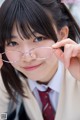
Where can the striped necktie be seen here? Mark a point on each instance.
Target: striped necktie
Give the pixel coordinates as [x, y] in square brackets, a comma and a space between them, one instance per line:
[47, 110]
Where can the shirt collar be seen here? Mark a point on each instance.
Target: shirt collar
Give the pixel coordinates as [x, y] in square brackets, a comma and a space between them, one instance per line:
[54, 84]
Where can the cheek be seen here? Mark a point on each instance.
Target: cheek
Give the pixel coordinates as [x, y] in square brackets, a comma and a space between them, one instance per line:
[47, 64]
[51, 62]
[52, 57]
[13, 56]
[9, 57]
[47, 67]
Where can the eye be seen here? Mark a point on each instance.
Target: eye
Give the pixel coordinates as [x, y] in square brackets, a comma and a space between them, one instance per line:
[38, 39]
[12, 43]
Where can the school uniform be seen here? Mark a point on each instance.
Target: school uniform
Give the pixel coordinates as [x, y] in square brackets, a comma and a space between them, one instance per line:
[54, 85]
[66, 103]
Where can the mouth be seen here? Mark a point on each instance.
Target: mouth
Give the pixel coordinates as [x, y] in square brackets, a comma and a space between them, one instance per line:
[30, 68]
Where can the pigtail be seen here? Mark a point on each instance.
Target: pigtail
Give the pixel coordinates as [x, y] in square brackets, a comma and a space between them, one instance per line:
[75, 25]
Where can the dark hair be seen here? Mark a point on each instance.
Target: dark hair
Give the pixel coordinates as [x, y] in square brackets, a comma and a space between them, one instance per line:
[38, 15]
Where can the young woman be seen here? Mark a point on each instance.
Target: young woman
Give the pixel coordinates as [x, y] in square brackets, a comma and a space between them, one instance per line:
[39, 50]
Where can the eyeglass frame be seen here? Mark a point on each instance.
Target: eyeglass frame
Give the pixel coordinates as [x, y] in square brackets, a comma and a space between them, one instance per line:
[27, 52]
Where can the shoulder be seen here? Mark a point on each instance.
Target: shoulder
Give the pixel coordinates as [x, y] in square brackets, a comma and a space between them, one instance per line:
[71, 81]
[70, 76]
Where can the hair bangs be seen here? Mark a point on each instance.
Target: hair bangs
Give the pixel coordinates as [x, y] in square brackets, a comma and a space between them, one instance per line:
[31, 18]
[28, 17]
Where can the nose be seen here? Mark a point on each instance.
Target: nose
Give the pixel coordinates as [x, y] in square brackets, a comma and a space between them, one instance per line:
[28, 57]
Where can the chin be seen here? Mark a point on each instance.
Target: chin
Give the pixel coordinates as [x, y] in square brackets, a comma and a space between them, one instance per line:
[34, 78]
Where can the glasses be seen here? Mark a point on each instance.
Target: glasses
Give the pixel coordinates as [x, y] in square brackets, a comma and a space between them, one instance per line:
[39, 53]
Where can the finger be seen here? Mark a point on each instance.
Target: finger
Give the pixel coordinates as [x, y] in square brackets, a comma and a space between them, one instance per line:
[59, 54]
[67, 54]
[63, 43]
[76, 50]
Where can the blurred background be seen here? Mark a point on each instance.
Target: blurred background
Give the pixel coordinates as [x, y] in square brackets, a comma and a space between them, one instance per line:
[74, 7]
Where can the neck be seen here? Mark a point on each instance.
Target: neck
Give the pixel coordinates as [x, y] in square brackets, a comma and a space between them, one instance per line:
[49, 77]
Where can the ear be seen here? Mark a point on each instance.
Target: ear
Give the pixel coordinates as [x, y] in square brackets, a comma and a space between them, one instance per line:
[63, 33]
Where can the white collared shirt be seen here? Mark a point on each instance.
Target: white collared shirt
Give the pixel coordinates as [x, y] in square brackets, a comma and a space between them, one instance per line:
[54, 84]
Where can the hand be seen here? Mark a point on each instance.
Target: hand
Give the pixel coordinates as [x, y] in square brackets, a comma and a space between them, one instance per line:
[70, 57]
[1, 62]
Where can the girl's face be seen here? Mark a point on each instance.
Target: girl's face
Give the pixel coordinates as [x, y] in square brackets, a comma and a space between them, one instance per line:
[37, 70]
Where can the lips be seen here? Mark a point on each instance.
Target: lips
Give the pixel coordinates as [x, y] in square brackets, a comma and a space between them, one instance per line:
[32, 67]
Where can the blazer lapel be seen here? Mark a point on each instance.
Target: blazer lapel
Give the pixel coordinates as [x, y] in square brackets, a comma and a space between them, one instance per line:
[69, 99]
[31, 105]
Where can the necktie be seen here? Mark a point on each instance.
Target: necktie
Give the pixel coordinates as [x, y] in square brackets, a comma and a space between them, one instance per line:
[47, 110]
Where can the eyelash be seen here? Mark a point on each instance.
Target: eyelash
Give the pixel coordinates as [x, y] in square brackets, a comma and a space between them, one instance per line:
[12, 43]
[39, 39]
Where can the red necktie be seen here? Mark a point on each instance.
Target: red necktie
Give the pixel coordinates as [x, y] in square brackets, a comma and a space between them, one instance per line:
[47, 110]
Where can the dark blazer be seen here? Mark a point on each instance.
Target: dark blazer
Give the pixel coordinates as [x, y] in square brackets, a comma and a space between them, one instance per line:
[21, 116]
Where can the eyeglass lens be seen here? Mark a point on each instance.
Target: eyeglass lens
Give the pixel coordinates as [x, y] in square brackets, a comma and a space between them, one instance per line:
[15, 56]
